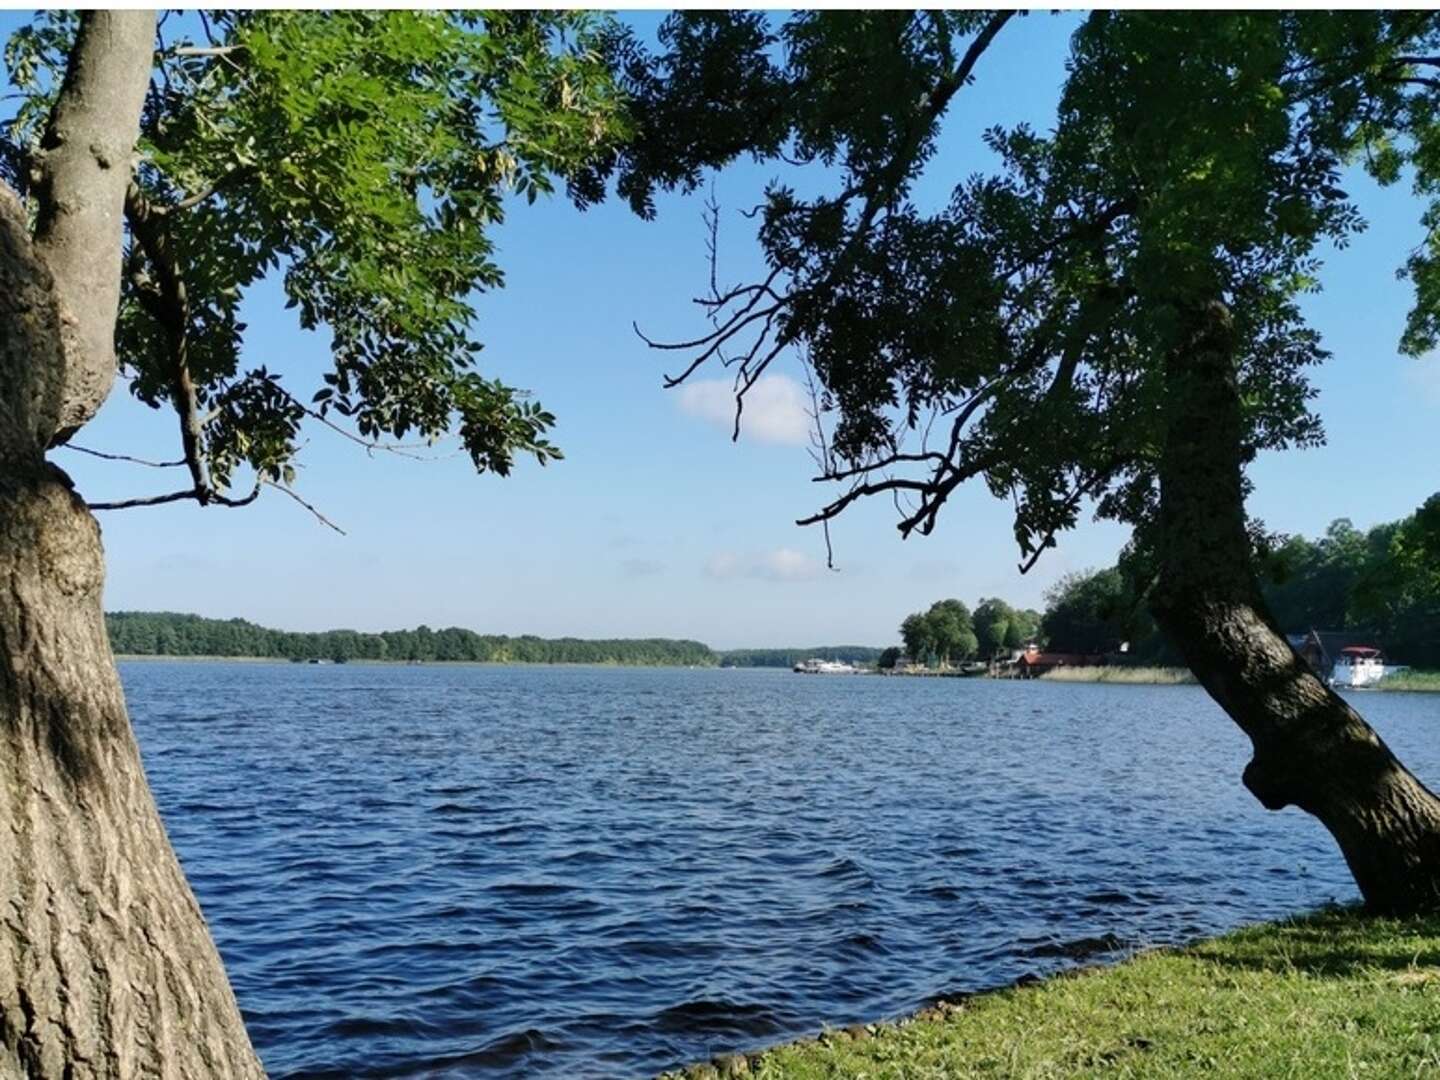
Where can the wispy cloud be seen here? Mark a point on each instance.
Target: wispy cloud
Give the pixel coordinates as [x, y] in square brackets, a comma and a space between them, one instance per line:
[781, 564]
[637, 568]
[776, 408]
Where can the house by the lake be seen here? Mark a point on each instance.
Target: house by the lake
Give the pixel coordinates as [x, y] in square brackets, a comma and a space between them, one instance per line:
[1034, 662]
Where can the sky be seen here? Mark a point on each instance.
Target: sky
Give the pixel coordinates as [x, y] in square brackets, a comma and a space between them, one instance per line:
[655, 523]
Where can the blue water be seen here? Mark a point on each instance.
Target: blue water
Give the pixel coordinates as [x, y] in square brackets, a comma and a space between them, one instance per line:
[477, 871]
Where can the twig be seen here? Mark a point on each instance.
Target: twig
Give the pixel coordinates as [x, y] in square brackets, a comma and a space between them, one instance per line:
[125, 457]
[318, 515]
[205, 50]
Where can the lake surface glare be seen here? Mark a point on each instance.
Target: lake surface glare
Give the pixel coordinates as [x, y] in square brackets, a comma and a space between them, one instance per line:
[589, 872]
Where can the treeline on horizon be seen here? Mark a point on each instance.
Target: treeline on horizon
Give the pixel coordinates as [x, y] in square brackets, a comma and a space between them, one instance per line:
[166, 633]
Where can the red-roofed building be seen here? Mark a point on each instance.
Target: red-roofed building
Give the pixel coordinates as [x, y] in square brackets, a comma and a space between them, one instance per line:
[1033, 662]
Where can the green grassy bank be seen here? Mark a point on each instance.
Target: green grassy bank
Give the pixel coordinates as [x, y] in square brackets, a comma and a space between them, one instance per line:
[1334, 994]
[1159, 676]
[1410, 680]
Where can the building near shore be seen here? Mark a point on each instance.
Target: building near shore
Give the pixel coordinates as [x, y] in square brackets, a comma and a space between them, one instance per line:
[1034, 661]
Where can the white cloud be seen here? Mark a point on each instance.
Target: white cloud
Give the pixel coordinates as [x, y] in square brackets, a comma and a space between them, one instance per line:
[776, 408]
[781, 564]
[637, 568]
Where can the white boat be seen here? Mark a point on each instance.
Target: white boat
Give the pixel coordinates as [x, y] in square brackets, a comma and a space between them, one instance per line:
[816, 666]
[1358, 665]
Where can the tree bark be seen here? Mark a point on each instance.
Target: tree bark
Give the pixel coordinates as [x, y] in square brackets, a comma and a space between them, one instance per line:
[84, 167]
[1311, 749]
[107, 969]
[106, 966]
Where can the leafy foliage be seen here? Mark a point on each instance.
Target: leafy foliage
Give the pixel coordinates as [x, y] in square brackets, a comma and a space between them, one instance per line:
[1090, 612]
[1000, 628]
[1018, 334]
[943, 634]
[366, 157]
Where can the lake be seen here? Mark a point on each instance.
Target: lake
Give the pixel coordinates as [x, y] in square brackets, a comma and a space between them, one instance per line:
[586, 872]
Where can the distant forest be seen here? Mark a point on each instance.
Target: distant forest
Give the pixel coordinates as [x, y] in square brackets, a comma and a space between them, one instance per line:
[163, 633]
[851, 654]
[1382, 585]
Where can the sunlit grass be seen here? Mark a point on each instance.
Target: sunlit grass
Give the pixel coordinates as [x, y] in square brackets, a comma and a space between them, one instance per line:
[1336, 994]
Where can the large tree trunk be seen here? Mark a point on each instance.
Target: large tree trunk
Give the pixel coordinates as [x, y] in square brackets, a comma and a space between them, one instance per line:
[106, 966]
[1311, 749]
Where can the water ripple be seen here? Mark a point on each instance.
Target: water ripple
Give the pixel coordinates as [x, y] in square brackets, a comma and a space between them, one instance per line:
[489, 872]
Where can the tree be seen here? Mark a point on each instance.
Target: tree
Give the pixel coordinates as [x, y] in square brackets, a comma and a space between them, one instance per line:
[888, 658]
[995, 624]
[1024, 628]
[915, 632]
[1396, 591]
[1088, 612]
[1311, 580]
[951, 637]
[1109, 319]
[364, 155]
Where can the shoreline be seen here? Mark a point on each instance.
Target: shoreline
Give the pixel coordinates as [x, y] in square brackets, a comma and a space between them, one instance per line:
[1318, 994]
[188, 659]
[1098, 675]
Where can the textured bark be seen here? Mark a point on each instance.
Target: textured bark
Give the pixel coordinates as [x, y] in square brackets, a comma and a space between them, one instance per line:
[83, 169]
[1311, 749]
[107, 969]
[106, 966]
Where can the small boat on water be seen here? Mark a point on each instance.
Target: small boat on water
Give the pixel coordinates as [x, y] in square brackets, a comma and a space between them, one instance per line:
[1358, 665]
[816, 666]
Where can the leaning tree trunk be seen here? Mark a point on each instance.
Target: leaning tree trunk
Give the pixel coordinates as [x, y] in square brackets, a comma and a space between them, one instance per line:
[1311, 749]
[107, 969]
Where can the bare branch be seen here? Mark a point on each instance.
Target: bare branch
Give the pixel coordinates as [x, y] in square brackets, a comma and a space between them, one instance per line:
[151, 500]
[203, 497]
[124, 457]
[189, 202]
[204, 50]
[318, 515]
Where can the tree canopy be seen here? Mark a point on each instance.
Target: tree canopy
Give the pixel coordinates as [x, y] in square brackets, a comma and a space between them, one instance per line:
[943, 634]
[1000, 627]
[1015, 335]
[362, 156]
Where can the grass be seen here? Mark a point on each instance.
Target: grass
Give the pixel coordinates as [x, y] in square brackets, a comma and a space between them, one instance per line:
[1335, 994]
[1164, 676]
[1410, 680]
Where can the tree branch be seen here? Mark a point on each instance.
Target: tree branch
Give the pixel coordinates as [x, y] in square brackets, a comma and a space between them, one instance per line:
[169, 304]
[203, 497]
[84, 164]
[204, 50]
[318, 515]
[124, 457]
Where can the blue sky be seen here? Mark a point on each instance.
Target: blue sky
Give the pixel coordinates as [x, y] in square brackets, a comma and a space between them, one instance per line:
[655, 523]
